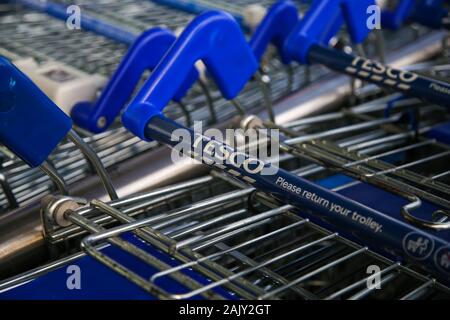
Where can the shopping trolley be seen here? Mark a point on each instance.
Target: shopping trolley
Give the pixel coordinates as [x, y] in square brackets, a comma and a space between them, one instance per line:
[26, 37]
[144, 119]
[121, 153]
[62, 211]
[244, 242]
[214, 237]
[23, 42]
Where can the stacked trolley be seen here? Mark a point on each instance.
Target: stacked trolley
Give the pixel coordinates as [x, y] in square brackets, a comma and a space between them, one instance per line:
[216, 237]
[30, 34]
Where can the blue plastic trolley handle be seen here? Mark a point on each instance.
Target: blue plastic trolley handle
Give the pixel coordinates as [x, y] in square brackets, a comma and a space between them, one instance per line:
[322, 21]
[394, 18]
[31, 125]
[279, 21]
[303, 46]
[289, 188]
[282, 18]
[213, 37]
[145, 54]
[429, 13]
[148, 50]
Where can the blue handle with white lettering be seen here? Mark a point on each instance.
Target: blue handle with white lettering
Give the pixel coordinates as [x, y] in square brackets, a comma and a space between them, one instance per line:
[279, 21]
[31, 125]
[213, 37]
[305, 48]
[145, 54]
[411, 84]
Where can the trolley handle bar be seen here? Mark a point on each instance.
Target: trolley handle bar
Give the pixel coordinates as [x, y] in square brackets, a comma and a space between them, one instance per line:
[410, 83]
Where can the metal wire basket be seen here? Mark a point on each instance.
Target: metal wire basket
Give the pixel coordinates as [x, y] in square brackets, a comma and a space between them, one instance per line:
[240, 241]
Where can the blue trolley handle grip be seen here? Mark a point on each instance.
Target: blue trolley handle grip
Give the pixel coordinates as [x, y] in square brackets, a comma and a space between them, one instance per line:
[145, 54]
[288, 187]
[430, 13]
[31, 125]
[279, 21]
[412, 84]
[395, 18]
[304, 46]
[282, 18]
[323, 20]
[213, 37]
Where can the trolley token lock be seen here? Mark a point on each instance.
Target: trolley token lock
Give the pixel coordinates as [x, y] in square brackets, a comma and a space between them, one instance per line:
[32, 126]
